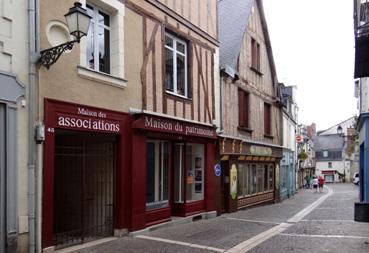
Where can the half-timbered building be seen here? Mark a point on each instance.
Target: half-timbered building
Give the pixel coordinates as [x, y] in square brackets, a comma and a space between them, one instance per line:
[250, 143]
[173, 143]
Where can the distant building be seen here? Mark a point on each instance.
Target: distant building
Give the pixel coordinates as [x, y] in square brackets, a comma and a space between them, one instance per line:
[335, 152]
[287, 175]
[305, 154]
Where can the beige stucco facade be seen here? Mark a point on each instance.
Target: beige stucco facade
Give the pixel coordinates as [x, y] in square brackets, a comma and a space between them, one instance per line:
[14, 61]
[69, 80]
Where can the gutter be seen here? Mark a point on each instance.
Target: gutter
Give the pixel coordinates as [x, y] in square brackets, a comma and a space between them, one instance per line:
[33, 48]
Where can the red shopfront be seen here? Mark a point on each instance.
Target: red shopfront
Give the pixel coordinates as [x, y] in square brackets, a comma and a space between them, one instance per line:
[172, 170]
[85, 183]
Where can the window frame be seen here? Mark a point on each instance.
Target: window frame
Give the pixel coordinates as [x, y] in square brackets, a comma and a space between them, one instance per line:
[96, 26]
[268, 132]
[116, 11]
[243, 109]
[175, 76]
[161, 203]
[255, 56]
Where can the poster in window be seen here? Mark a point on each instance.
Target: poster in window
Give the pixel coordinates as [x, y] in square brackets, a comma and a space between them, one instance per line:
[198, 162]
[198, 187]
[198, 175]
[233, 184]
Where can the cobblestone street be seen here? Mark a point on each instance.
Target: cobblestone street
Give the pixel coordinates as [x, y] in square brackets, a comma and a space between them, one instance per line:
[308, 222]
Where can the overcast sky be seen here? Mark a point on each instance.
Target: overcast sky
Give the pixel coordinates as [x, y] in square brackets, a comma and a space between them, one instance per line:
[313, 47]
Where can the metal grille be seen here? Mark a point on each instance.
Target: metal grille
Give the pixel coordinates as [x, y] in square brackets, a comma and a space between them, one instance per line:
[83, 187]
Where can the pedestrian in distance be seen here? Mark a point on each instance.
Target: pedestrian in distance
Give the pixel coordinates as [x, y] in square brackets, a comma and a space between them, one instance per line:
[307, 182]
[315, 183]
[321, 183]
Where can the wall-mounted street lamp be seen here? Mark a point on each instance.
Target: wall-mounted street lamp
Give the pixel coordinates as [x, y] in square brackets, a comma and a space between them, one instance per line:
[340, 131]
[78, 22]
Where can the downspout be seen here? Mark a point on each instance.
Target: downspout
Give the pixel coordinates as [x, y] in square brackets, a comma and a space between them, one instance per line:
[32, 82]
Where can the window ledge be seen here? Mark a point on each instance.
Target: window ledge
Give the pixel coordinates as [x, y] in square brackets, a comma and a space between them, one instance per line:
[256, 71]
[245, 129]
[268, 136]
[178, 96]
[101, 77]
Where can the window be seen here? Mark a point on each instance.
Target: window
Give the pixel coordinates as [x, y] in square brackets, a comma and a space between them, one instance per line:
[98, 40]
[105, 40]
[330, 165]
[243, 109]
[157, 182]
[325, 153]
[176, 66]
[254, 179]
[267, 119]
[255, 55]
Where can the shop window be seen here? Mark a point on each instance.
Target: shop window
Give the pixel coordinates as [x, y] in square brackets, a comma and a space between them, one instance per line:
[195, 172]
[254, 178]
[260, 177]
[271, 177]
[176, 66]
[157, 185]
[98, 40]
[240, 179]
[266, 175]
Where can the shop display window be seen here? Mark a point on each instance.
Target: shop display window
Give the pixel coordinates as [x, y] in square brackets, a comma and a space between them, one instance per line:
[254, 179]
[157, 178]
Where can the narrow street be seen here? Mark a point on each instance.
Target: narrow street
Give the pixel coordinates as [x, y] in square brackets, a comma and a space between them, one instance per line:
[308, 222]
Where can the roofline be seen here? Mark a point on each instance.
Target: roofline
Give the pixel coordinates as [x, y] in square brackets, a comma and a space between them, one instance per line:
[267, 41]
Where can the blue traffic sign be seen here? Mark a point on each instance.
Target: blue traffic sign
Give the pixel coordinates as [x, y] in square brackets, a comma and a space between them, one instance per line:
[217, 170]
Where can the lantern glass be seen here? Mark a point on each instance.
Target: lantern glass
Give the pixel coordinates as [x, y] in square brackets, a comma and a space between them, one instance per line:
[339, 130]
[78, 21]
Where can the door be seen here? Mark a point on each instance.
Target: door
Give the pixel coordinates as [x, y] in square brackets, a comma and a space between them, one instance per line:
[2, 177]
[224, 187]
[83, 187]
[329, 178]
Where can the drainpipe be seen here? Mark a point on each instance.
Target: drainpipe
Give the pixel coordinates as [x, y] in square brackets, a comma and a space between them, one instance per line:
[32, 81]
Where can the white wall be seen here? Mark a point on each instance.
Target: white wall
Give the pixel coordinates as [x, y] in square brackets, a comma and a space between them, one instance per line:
[336, 165]
[289, 136]
[14, 60]
[364, 96]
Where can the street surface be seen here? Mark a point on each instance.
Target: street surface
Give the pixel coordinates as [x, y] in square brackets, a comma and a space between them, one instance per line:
[308, 222]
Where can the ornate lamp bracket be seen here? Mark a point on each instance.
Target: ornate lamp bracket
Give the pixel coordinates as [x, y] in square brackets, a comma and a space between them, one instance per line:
[51, 55]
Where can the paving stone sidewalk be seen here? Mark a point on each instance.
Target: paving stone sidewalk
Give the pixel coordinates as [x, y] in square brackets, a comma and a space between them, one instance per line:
[221, 233]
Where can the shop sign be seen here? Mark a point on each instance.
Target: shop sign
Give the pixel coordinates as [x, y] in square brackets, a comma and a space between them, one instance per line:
[260, 151]
[217, 170]
[166, 125]
[328, 172]
[233, 183]
[86, 119]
